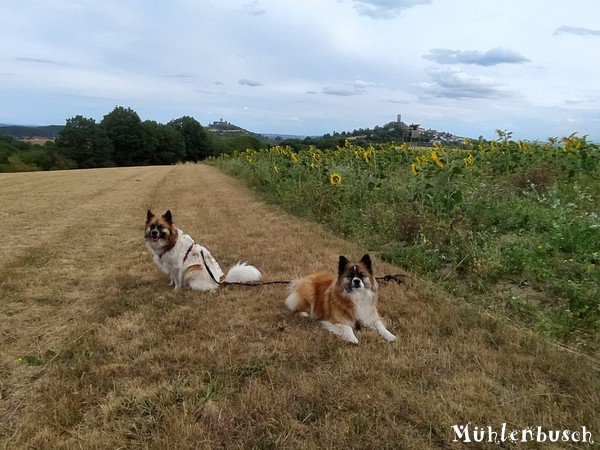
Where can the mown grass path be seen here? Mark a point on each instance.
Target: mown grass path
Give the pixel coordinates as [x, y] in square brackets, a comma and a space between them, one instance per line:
[97, 351]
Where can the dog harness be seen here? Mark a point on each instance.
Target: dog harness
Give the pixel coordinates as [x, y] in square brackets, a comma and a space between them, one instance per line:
[187, 253]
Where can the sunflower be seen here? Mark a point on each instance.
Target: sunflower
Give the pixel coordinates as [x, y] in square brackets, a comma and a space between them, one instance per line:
[414, 169]
[335, 178]
[436, 159]
[469, 160]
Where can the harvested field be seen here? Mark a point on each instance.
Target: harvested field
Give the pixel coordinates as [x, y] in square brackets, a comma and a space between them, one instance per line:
[97, 351]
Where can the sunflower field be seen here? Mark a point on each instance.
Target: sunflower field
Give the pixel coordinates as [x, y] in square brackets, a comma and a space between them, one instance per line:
[509, 225]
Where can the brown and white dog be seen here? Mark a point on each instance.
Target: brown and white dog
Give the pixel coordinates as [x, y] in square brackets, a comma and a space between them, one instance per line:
[341, 302]
[177, 255]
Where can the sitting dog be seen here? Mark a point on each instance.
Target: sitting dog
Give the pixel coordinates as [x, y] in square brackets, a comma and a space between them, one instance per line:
[341, 302]
[187, 263]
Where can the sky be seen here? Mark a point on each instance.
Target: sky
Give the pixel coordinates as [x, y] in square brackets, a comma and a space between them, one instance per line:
[308, 67]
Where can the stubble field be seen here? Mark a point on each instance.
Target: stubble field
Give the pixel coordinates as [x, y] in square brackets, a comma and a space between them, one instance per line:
[97, 351]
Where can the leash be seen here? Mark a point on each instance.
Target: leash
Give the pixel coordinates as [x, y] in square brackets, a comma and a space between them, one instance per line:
[397, 278]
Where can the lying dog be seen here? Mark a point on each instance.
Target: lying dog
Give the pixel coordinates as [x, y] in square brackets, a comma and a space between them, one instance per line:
[187, 263]
[341, 302]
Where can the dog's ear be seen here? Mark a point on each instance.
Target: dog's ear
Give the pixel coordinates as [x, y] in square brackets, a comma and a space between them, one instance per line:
[168, 216]
[366, 260]
[342, 264]
[149, 216]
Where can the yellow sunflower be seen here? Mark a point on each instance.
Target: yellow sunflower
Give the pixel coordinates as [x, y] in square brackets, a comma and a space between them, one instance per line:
[436, 159]
[414, 169]
[335, 178]
[469, 160]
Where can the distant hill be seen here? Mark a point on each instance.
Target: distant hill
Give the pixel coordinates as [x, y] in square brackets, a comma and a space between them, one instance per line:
[399, 132]
[279, 136]
[393, 131]
[27, 132]
[227, 129]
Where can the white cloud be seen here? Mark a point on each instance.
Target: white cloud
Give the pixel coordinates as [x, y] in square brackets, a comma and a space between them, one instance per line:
[492, 57]
[457, 84]
[385, 9]
[455, 65]
[579, 31]
[254, 9]
[342, 91]
[251, 83]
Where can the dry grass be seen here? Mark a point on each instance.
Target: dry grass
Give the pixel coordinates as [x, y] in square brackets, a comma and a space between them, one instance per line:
[96, 351]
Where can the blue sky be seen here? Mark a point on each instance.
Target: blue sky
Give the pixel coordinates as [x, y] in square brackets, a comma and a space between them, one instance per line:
[308, 67]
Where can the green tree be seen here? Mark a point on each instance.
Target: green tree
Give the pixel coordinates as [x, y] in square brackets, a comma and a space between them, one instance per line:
[124, 128]
[85, 142]
[55, 160]
[232, 144]
[16, 164]
[198, 145]
[164, 143]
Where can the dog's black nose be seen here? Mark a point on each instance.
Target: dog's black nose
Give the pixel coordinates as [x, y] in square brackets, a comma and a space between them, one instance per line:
[154, 233]
[356, 282]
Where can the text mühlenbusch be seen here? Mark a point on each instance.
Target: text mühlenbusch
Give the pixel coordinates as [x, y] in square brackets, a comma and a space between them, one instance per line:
[478, 434]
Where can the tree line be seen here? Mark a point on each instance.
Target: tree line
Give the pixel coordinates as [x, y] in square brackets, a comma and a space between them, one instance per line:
[121, 138]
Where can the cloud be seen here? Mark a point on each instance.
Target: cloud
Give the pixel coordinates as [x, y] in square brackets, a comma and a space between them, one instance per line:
[254, 9]
[342, 92]
[385, 9]
[251, 83]
[179, 76]
[358, 87]
[490, 58]
[458, 84]
[362, 84]
[396, 101]
[207, 92]
[37, 60]
[579, 31]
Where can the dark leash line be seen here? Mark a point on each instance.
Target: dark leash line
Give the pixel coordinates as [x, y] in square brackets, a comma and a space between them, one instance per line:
[398, 278]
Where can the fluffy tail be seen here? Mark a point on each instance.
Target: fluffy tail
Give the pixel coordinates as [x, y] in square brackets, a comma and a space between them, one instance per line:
[242, 273]
[293, 301]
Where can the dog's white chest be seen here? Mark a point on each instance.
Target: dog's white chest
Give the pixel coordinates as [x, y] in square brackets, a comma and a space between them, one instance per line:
[364, 306]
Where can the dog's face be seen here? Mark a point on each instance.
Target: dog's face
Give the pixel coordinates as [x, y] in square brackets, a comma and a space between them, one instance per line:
[355, 275]
[159, 230]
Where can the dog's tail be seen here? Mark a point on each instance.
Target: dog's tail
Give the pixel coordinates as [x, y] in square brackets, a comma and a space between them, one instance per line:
[242, 273]
[294, 301]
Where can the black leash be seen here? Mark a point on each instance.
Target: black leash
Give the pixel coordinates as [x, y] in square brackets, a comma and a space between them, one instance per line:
[398, 278]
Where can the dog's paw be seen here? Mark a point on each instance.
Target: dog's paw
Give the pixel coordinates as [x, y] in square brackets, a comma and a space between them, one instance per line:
[389, 337]
[353, 341]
